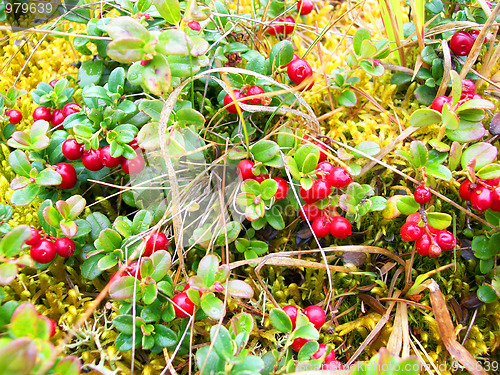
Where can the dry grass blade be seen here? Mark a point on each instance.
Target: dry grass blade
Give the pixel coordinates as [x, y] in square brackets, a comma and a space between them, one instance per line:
[447, 331]
[288, 262]
[399, 341]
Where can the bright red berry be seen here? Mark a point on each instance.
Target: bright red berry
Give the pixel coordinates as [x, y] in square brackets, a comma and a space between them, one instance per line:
[72, 150]
[468, 88]
[183, 306]
[311, 212]
[292, 312]
[492, 182]
[466, 190]
[316, 315]
[340, 227]
[244, 170]
[322, 351]
[14, 116]
[319, 190]
[107, 160]
[297, 344]
[324, 169]
[289, 27]
[44, 252]
[194, 25]
[411, 232]
[482, 198]
[276, 29]
[65, 247]
[34, 237]
[434, 250]
[339, 177]
[157, 241]
[282, 188]
[461, 43]
[57, 119]
[134, 269]
[299, 70]
[321, 227]
[445, 240]
[42, 113]
[322, 148]
[133, 166]
[423, 244]
[254, 90]
[438, 103]
[304, 7]
[92, 160]
[68, 174]
[70, 108]
[228, 100]
[422, 194]
[52, 325]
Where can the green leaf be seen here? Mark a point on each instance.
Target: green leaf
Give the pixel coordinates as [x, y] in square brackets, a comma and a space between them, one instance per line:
[476, 104]
[486, 294]
[306, 332]
[286, 140]
[164, 337]
[256, 64]
[18, 357]
[428, 55]
[360, 35]
[239, 288]
[161, 261]
[69, 365]
[150, 293]
[268, 188]
[11, 244]
[407, 205]
[19, 163]
[169, 10]
[489, 171]
[207, 268]
[110, 240]
[274, 218]
[424, 117]
[123, 287]
[347, 98]
[157, 75]
[455, 156]
[90, 72]
[439, 220]
[124, 342]
[116, 79]
[142, 221]
[97, 92]
[418, 154]
[107, 262]
[89, 268]
[368, 147]
[308, 350]
[189, 116]
[212, 306]
[438, 171]
[302, 153]
[484, 153]
[450, 119]
[264, 150]
[280, 320]
[281, 53]
[124, 323]
[48, 177]
[25, 196]
[251, 365]
[173, 42]
[127, 27]
[98, 222]
[8, 273]
[310, 163]
[221, 339]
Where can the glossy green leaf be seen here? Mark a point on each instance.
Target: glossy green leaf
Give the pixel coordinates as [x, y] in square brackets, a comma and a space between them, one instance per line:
[264, 150]
[212, 306]
[280, 320]
[439, 220]
[11, 244]
[425, 116]
[407, 205]
[484, 153]
[281, 53]
[169, 9]
[486, 294]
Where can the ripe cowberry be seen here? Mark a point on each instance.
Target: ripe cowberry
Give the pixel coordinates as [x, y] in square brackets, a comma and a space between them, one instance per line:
[439, 101]
[261, 177]
[324, 169]
[68, 174]
[411, 232]
[304, 7]
[107, 160]
[57, 119]
[254, 90]
[282, 188]
[339, 177]
[244, 170]
[44, 252]
[482, 198]
[134, 269]
[322, 148]
[445, 240]
[496, 200]
[466, 190]
[14, 116]
[42, 113]
[65, 247]
[492, 182]
[289, 27]
[316, 315]
[228, 100]
[321, 227]
[422, 194]
[434, 250]
[183, 306]
[423, 244]
[298, 343]
[322, 351]
[299, 70]
[311, 212]
[340, 227]
[194, 25]
[72, 150]
[91, 160]
[468, 88]
[319, 190]
[157, 241]
[34, 237]
[133, 166]
[70, 108]
[461, 43]
[292, 312]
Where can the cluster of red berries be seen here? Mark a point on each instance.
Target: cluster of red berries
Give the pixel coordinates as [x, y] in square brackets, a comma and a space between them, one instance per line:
[468, 93]
[286, 25]
[44, 250]
[15, 116]
[317, 317]
[244, 172]
[95, 160]
[482, 194]
[245, 92]
[55, 116]
[462, 41]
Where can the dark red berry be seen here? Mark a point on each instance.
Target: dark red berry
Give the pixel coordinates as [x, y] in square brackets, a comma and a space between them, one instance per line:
[44, 252]
[261, 177]
[70, 108]
[468, 88]
[14, 116]
[228, 100]
[92, 160]
[422, 194]
[42, 113]
[461, 43]
[324, 169]
[290, 26]
[319, 190]
[72, 150]
[297, 344]
[133, 166]
[299, 70]
[292, 312]
[304, 7]
[322, 351]
[321, 227]
[65, 247]
[411, 232]
[68, 174]
[244, 170]
[34, 237]
[340, 227]
[466, 190]
[134, 269]
[183, 306]
[439, 101]
[254, 90]
[51, 323]
[434, 250]
[282, 188]
[194, 25]
[311, 212]
[106, 159]
[316, 315]
[482, 198]
[445, 240]
[157, 241]
[57, 119]
[423, 244]
[339, 177]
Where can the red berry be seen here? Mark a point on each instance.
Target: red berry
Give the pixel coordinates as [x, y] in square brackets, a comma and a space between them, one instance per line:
[411, 232]
[466, 190]
[322, 155]
[339, 177]
[322, 351]
[492, 182]
[70, 108]
[468, 88]
[133, 166]
[299, 70]
[254, 90]
[72, 150]
[422, 194]
[68, 174]
[44, 252]
[316, 315]
[244, 170]
[461, 43]
[304, 7]
[14, 116]
[434, 250]
[57, 119]
[92, 160]
[65, 247]
[340, 227]
[34, 237]
[157, 241]
[106, 159]
[319, 190]
[134, 143]
[311, 212]
[423, 244]
[445, 240]
[438, 103]
[297, 344]
[228, 100]
[183, 306]
[261, 177]
[482, 198]
[414, 218]
[53, 83]
[134, 269]
[289, 27]
[282, 188]
[42, 113]
[324, 169]
[496, 199]
[292, 312]
[276, 29]
[52, 325]
[332, 365]
[321, 227]
[194, 25]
